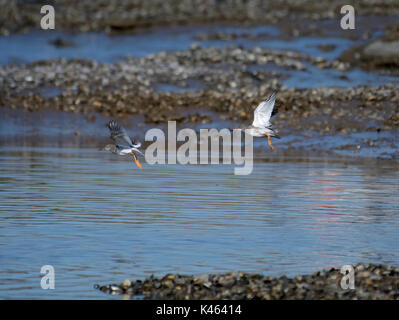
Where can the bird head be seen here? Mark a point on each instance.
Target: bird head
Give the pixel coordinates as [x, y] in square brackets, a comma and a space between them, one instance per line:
[109, 147]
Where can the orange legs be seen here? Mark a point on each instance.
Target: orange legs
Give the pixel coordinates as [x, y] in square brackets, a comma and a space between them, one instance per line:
[137, 161]
[269, 141]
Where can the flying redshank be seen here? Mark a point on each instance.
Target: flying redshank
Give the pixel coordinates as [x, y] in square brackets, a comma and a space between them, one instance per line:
[261, 126]
[123, 144]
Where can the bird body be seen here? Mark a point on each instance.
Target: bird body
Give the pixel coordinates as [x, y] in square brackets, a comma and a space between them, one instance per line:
[124, 145]
[260, 132]
[122, 151]
[261, 126]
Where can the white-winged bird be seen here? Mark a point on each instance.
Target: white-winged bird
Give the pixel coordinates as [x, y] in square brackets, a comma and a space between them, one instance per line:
[261, 126]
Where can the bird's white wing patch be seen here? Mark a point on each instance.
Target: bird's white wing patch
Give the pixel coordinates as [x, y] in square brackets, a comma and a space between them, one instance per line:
[263, 112]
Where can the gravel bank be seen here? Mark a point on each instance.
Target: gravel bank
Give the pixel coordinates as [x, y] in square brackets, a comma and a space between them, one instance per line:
[220, 80]
[371, 282]
[128, 15]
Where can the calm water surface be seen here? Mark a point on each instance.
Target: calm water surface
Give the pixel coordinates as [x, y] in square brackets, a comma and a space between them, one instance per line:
[98, 219]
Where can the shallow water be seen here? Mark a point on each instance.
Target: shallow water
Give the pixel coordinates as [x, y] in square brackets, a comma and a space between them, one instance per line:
[96, 218]
[105, 48]
[37, 45]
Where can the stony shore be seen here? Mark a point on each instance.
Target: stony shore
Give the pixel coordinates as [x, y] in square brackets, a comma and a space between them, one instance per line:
[102, 15]
[371, 282]
[229, 81]
[127, 16]
[219, 80]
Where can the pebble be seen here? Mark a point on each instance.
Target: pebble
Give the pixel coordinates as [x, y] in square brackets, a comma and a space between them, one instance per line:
[127, 16]
[372, 282]
[233, 92]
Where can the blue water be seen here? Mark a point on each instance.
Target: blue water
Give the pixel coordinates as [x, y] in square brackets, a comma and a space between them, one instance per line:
[96, 218]
[104, 48]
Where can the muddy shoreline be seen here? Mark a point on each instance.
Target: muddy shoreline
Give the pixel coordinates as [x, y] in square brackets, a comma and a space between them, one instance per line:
[211, 86]
[372, 282]
[220, 80]
[128, 16]
[230, 81]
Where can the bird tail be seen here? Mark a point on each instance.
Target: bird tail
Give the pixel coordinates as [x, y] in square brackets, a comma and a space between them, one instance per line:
[138, 151]
[275, 133]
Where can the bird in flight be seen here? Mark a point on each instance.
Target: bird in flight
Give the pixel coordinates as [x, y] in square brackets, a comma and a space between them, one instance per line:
[123, 144]
[261, 126]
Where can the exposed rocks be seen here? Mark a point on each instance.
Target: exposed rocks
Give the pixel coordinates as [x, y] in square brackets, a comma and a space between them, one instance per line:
[382, 54]
[127, 16]
[62, 43]
[220, 80]
[371, 282]
[378, 55]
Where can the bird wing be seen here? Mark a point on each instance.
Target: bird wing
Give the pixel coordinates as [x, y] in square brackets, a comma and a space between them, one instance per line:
[263, 112]
[120, 136]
